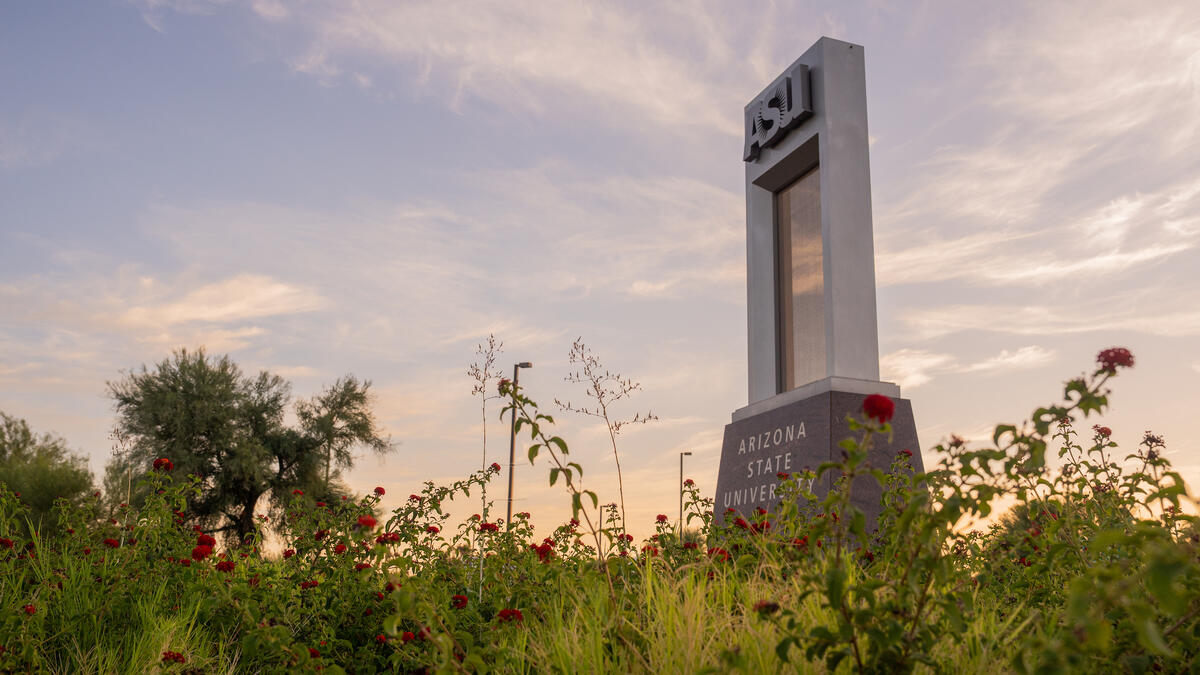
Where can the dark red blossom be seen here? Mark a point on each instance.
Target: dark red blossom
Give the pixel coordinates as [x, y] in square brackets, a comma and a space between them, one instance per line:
[495, 467]
[226, 566]
[718, 554]
[879, 408]
[289, 553]
[691, 545]
[367, 521]
[766, 607]
[320, 534]
[112, 543]
[415, 498]
[458, 601]
[432, 529]
[5, 542]
[742, 523]
[362, 566]
[661, 518]
[489, 527]
[513, 615]
[380, 491]
[169, 656]
[1114, 357]
[1102, 432]
[206, 540]
[29, 609]
[905, 452]
[408, 636]
[340, 548]
[163, 464]
[381, 638]
[311, 583]
[298, 492]
[689, 483]
[388, 538]
[313, 653]
[544, 550]
[201, 552]
[783, 475]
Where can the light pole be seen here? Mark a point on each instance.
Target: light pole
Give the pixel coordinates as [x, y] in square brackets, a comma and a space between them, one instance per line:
[512, 437]
[681, 493]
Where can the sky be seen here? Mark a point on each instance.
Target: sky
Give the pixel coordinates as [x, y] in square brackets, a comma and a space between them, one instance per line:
[322, 187]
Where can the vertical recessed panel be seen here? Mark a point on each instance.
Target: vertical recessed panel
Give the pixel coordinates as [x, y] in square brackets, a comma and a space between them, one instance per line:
[801, 282]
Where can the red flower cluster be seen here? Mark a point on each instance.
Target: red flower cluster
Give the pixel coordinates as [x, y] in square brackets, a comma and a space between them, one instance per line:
[367, 521]
[432, 529]
[690, 545]
[206, 540]
[226, 566]
[311, 583]
[1102, 432]
[388, 538]
[289, 553]
[313, 653]
[1115, 357]
[495, 467]
[380, 491]
[513, 615]
[201, 552]
[298, 492]
[320, 534]
[783, 475]
[766, 607]
[112, 543]
[718, 554]
[362, 566]
[661, 518]
[523, 514]
[905, 452]
[170, 656]
[489, 527]
[408, 636]
[163, 464]
[689, 483]
[628, 538]
[381, 638]
[544, 550]
[879, 408]
[415, 498]
[340, 548]
[29, 609]
[458, 601]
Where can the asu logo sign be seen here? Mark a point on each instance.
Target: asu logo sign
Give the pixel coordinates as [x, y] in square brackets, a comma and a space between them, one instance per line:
[781, 107]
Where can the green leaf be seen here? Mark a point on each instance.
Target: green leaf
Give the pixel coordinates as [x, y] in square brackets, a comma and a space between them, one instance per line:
[533, 452]
[553, 476]
[562, 445]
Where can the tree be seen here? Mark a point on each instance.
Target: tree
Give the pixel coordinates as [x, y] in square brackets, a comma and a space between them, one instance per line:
[41, 469]
[228, 430]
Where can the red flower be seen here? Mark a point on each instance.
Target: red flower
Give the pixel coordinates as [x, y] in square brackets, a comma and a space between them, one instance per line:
[783, 475]
[495, 467]
[312, 583]
[381, 638]
[380, 491]
[432, 529]
[29, 609]
[388, 537]
[298, 492]
[741, 523]
[163, 464]
[112, 543]
[574, 522]
[544, 550]
[459, 601]
[320, 534]
[226, 566]
[289, 553]
[513, 615]
[313, 653]
[626, 537]
[169, 656]
[201, 552]
[689, 483]
[408, 636]
[366, 521]
[362, 566]
[206, 540]
[489, 527]
[504, 384]
[414, 498]
[718, 554]
[661, 518]
[320, 505]
[1111, 359]
[690, 545]
[1102, 432]
[879, 408]
[766, 607]
[6, 542]
[340, 548]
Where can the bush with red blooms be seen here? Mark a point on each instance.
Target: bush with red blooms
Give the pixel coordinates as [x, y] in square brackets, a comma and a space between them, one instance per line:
[163, 464]
[1094, 564]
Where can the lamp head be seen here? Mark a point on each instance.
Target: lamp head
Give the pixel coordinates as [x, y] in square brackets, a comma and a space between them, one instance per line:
[686, 453]
[525, 364]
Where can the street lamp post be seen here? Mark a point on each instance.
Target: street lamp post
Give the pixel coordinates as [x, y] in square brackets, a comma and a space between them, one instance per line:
[512, 437]
[681, 454]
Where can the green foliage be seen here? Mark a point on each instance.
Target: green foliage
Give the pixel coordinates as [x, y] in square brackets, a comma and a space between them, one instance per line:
[227, 429]
[1095, 569]
[41, 469]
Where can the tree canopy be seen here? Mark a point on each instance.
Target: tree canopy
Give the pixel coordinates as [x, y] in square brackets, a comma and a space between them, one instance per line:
[227, 429]
[41, 469]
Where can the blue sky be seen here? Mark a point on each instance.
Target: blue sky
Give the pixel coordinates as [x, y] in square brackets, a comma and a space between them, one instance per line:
[320, 188]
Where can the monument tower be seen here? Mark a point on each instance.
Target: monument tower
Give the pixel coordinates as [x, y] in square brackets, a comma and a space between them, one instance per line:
[810, 276]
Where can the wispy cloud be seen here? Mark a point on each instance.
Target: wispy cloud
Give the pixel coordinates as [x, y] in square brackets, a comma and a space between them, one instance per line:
[246, 296]
[911, 368]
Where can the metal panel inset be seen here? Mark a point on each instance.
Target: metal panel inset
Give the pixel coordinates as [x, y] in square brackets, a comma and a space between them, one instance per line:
[801, 290]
